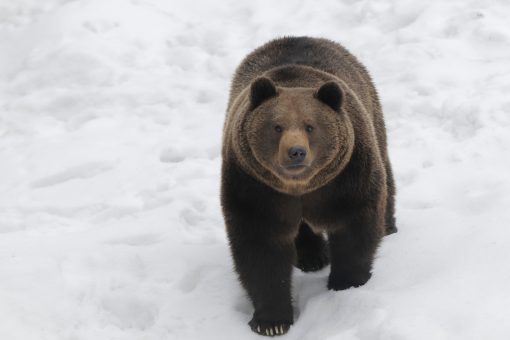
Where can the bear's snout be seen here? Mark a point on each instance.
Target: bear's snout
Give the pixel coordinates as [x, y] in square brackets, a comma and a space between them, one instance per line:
[297, 154]
[294, 153]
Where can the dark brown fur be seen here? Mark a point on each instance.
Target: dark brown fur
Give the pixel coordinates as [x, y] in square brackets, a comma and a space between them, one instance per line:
[316, 95]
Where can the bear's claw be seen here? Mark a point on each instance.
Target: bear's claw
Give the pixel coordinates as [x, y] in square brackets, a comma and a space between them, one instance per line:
[391, 230]
[270, 328]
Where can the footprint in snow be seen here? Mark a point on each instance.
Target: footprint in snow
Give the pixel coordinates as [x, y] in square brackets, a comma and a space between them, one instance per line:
[85, 170]
[191, 280]
[137, 240]
[130, 312]
[170, 155]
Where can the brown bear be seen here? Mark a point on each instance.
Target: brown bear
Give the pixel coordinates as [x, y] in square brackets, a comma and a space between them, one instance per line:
[304, 153]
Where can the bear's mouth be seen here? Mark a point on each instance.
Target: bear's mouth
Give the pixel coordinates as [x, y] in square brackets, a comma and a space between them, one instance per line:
[295, 169]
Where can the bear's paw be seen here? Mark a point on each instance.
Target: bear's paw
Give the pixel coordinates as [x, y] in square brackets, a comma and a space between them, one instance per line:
[269, 328]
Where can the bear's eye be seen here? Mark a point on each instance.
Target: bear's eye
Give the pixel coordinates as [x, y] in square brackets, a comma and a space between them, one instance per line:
[278, 128]
[309, 128]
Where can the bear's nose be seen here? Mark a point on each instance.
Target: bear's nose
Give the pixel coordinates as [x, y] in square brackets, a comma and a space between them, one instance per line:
[297, 153]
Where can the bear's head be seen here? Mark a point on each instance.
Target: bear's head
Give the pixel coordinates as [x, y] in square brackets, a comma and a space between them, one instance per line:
[295, 139]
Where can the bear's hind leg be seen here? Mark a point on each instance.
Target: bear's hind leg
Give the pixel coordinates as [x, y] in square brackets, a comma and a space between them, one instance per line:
[312, 250]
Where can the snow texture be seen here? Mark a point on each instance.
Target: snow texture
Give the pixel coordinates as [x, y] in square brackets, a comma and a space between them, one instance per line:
[110, 133]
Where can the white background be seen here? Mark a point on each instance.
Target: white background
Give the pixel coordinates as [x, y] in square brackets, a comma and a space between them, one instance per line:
[110, 134]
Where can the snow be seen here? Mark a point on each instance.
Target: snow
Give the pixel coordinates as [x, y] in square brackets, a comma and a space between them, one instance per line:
[110, 134]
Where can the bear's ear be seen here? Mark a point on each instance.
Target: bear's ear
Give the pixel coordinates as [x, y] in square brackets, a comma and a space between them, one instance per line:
[261, 90]
[330, 94]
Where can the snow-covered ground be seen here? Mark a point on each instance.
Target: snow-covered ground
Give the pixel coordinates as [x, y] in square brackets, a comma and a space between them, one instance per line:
[110, 134]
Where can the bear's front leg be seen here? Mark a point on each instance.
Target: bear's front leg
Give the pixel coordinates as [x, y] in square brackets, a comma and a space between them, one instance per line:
[352, 249]
[265, 267]
[261, 226]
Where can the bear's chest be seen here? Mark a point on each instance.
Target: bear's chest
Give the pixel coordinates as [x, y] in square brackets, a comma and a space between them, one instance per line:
[325, 209]
[323, 215]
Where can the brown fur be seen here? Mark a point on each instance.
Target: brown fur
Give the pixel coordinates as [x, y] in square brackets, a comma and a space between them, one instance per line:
[291, 90]
[309, 95]
[337, 62]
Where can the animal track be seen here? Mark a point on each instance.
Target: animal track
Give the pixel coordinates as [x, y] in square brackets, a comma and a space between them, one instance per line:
[137, 240]
[86, 170]
[129, 312]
